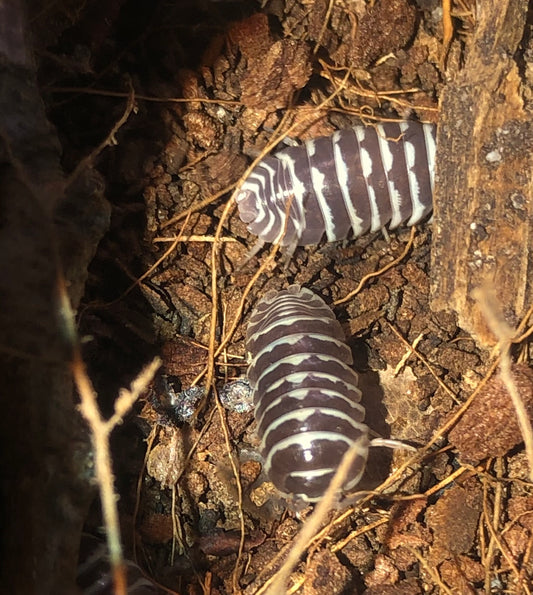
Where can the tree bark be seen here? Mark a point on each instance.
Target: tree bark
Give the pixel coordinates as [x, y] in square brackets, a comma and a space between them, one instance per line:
[483, 220]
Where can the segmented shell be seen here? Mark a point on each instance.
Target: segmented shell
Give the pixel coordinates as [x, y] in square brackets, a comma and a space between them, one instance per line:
[305, 393]
[356, 180]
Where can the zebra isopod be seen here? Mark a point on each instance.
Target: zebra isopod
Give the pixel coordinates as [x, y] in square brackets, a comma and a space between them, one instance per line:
[305, 394]
[357, 180]
[94, 576]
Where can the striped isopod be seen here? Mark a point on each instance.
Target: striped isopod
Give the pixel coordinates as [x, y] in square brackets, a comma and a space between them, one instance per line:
[358, 179]
[305, 393]
[94, 576]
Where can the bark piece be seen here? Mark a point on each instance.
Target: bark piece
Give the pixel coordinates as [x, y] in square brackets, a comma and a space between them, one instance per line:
[483, 220]
[489, 427]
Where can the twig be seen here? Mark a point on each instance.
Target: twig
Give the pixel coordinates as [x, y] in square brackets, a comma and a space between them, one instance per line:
[412, 350]
[447, 30]
[380, 272]
[277, 584]
[109, 140]
[100, 433]
[150, 98]
[192, 239]
[235, 469]
[433, 573]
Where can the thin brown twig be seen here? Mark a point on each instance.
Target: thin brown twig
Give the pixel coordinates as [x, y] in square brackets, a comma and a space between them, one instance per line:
[339, 545]
[503, 549]
[324, 26]
[492, 522]
[264, 266]
[384, 269]
[445, 482]
[138, 489]
[150, 98]
[236, 474]
[109, 140]
[521, 326]
[447, 30]
[192, 238]
[100, 433]
[358, 90]
[212, 353]
[197, 207]
[433, 573]
[413, 350]
[317, 539]
[163, 257]
[525, 564]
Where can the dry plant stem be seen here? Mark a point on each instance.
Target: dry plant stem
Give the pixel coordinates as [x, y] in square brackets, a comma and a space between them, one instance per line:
[103, 471]
[296, 585]
[494, 536]
[206, 585]
[150, 441]
[110, 139]
[525, 562]
[197, 207]
[212, 353]
[236, 474]
[264, 266]
[138, 281]
[321, 536]
[447, 30]
[277, 584]
[339, 545]
[261, 269]
[107, 93]
[176, 529]
[324, 27]
[446, 481]
[317, 539]
[207, 239]
[366, 278]
[484, 547]
[149, 444]
[378, 96]
[424, 361]
[408, 354]
[495, 520]
[210, 371]
[100, 431]
[431, 571]
[169, 251]
[505, 335]
[522, 325]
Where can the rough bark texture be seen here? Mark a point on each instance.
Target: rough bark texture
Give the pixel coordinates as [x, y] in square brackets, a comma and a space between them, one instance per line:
[483, 227]
[43, 479]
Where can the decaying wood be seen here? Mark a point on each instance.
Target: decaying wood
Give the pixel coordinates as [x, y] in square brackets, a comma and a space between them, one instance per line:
[44, 473]
[483, 227]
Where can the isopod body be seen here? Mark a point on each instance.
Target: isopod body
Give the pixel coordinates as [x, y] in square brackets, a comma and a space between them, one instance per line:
[305, 393]
[94, 576]
[357, 180]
